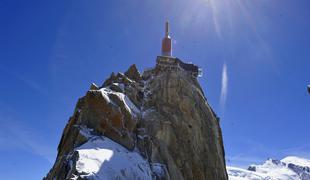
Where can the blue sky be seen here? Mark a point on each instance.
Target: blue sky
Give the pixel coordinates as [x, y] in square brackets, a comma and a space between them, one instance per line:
[254, 53]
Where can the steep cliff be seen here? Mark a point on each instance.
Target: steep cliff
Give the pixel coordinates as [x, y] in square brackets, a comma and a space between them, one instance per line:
[157, 125]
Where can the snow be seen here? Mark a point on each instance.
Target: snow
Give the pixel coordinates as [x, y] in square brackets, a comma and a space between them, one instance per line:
[129, 105]
[105, 94]
[85, 131]
[262, 174]
[91, 159]
[271, 170]
[235, 173]
[159, 170]
[104, 159]
[279, 171]
[297, 161]
[120, 85]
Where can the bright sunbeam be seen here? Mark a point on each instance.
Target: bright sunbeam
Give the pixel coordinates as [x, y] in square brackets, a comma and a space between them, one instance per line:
[223, 15]
[215, 16]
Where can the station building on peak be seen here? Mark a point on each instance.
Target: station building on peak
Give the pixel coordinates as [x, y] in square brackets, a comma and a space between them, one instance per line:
[167, 62]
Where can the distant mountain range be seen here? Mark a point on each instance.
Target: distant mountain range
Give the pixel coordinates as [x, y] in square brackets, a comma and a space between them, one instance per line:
[289, 168]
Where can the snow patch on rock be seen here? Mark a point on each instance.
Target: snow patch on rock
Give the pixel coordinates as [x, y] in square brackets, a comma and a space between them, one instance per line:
[159, 170]
[129, 105]
[104, 159]
[84, 131]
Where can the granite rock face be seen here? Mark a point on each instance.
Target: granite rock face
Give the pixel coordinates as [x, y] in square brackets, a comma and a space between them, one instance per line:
[163, 115]
[180, 129]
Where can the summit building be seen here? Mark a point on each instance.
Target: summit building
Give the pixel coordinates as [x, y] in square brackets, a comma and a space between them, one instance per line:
[169, 63]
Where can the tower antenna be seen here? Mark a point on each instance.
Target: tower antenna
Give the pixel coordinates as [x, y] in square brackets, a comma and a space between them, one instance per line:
[167, 29]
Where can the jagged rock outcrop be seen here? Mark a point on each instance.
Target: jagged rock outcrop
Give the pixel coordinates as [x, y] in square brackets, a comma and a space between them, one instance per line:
[162, 115]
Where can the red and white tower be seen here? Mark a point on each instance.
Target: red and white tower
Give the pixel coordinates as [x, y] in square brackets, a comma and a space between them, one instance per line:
[166, 48]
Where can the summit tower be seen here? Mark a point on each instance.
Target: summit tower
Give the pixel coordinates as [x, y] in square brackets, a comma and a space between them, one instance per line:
[166, 48]
[165, 62]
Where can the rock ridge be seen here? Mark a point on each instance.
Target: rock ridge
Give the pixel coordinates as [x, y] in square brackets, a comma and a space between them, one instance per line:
[160, 114]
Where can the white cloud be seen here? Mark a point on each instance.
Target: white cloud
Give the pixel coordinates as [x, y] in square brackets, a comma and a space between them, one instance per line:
[224, 88]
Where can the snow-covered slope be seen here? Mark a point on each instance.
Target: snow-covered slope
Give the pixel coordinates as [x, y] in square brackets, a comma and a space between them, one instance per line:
[289, 168]
[235, 173]
[104, 159]
[297, 161]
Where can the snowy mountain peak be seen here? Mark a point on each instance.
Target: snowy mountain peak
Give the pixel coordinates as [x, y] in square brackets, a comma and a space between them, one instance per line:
[289, 168]
[297, 161]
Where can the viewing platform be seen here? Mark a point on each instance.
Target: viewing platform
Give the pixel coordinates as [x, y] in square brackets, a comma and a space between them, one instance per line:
[168, 63]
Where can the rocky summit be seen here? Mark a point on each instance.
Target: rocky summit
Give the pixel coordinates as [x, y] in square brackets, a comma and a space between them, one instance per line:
[155, 125]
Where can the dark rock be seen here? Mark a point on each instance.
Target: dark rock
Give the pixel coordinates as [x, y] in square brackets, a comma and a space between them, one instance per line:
[275, 161]
[133, 73]
[109, 81]
[303, 172]
[93, 86]
[116, 87]
[252, 168]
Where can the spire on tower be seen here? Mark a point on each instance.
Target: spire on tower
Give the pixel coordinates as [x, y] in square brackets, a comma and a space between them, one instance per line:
[167, 29]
